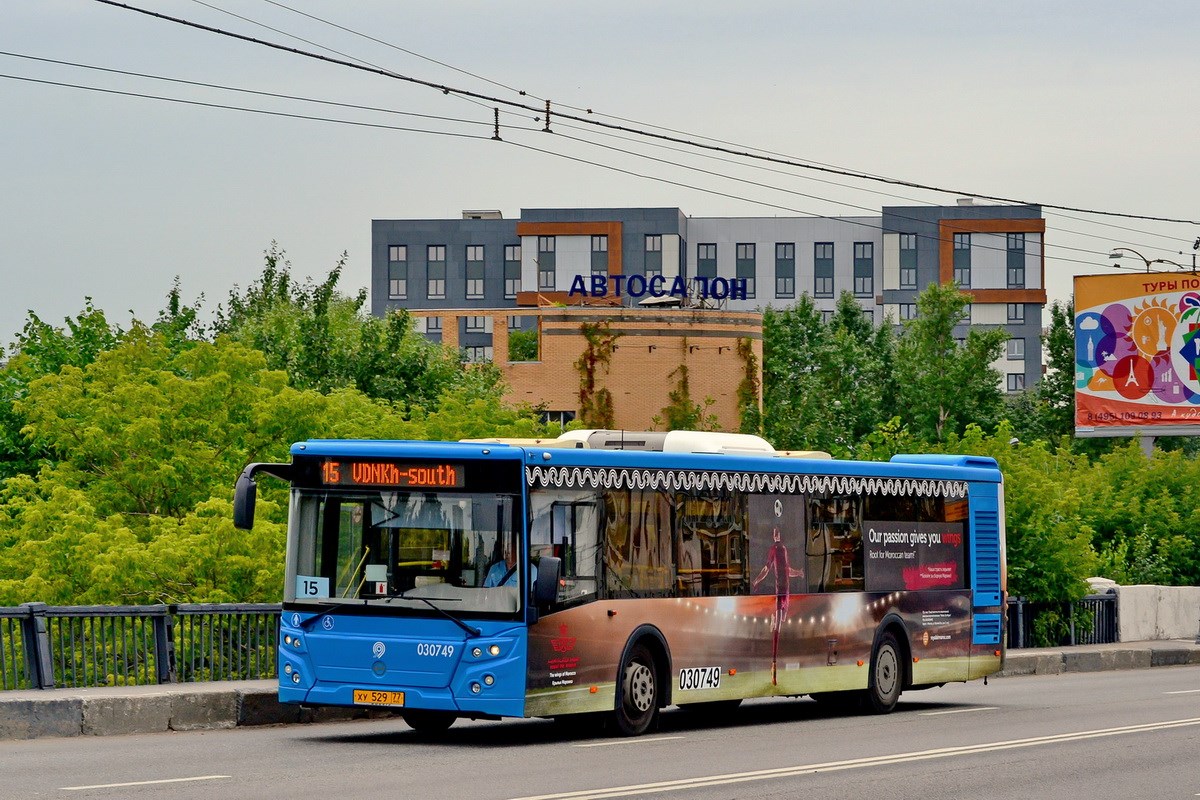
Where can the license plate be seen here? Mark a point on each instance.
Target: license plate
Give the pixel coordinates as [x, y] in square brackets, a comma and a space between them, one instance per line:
[373, 697]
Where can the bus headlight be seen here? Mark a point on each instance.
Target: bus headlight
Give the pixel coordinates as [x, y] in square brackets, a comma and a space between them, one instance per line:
[476, 688]
[494, 649]
[287, 669]
[489, 679]
[476, 652]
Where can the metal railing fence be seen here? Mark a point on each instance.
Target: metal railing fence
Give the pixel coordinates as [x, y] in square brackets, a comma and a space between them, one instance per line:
[44, 647]
[1092, 620]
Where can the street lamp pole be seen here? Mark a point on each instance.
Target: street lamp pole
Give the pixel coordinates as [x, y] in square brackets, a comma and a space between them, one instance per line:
[1116, 253]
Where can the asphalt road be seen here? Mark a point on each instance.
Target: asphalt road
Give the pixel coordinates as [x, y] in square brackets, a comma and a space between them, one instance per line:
[1120, 734]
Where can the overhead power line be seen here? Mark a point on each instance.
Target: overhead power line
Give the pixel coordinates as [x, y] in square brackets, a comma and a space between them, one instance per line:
[596, 114]
[448, 90]
[611, 167]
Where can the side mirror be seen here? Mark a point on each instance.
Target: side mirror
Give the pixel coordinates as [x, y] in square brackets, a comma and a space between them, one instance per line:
[545, 586]
[244, 495]
[245, 492]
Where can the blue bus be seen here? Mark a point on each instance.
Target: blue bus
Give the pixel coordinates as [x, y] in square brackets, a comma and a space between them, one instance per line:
[617, 573]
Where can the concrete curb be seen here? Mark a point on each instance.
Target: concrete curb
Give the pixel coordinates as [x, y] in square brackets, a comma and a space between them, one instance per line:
[110, 711]
[1099, 658]
[116, 710]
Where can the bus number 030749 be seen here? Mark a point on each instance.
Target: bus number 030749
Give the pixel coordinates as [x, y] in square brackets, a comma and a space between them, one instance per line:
[435, 649]
[700, 678]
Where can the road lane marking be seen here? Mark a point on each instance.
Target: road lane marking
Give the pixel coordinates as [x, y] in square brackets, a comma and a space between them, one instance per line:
[958, 711]
[142, 783]
[856, 763]
[1185, 691]
[632, 740]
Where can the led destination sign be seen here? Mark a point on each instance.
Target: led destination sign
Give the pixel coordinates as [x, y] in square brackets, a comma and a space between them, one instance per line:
[392, 473]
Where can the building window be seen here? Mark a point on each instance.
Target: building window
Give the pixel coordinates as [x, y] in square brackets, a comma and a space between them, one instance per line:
[908, 311]
[706, 261]
[653, 254]
[599, 255]
[397, 272]
[557, 417]
[1016, 313]
[869, 316]
[864, 269]
[512, 270]
[908, 261]
[826, 317]
[1016, 261]
[477, 355]
[545, 262]
[962, 259]
[435, 285]
[785, 269]
[745, 266]
[476, 324]
[433, 324]
[1016, 349]
[1016, 381]
[474, 271]
[823, 269]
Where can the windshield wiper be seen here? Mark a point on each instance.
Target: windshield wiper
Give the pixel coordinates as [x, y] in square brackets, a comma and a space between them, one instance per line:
[308, 623]
[471, 631]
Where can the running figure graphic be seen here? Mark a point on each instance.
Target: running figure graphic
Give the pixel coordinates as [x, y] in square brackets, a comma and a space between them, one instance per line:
[777, 559]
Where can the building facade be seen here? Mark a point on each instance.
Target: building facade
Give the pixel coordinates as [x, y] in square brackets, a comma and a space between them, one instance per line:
[634, 258]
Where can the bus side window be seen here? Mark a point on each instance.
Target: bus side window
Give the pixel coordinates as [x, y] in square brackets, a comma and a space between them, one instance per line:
[566, 525]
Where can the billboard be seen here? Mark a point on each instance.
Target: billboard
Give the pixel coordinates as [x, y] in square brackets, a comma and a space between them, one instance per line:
[1136, 354]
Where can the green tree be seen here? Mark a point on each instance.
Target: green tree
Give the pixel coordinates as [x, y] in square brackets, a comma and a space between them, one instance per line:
[792, 339]
[523, 345]
[43, 349]
[325, 340]
[1049, 537]
[826, 387]
[942, 385]
[1147, 526]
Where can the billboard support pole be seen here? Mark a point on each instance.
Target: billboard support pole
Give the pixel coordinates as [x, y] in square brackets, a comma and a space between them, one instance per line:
[1147, 443]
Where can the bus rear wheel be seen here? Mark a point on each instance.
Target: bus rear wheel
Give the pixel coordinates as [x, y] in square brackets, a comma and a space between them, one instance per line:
[887, 675]
[637, 692]
[428, 722]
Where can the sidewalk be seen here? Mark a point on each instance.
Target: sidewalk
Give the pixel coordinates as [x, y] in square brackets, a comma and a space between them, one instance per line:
[107, 711]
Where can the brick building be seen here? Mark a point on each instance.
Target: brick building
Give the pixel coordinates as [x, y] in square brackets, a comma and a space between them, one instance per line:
[471, 281]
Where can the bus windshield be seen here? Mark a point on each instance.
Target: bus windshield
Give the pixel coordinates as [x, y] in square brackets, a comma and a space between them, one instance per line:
[404, 549]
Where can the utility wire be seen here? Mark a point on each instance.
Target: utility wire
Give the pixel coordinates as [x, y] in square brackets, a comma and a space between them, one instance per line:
[298, 98]
[302, 39]
[610, 167]
[868, 190]
[862, 223]
[239, 89]
[446, 89]
[685, 133]
[412, 53]
[245, 109]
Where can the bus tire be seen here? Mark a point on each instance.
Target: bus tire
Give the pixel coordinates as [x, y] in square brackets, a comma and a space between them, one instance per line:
[428, 722]
[637, 692]
[886, 680]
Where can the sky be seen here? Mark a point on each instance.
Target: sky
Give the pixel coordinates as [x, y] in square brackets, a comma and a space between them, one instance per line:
[114, 195]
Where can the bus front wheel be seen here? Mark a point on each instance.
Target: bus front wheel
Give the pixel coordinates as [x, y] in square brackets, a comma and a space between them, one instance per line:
[887, 675]
[428, 722]
[637, 692]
